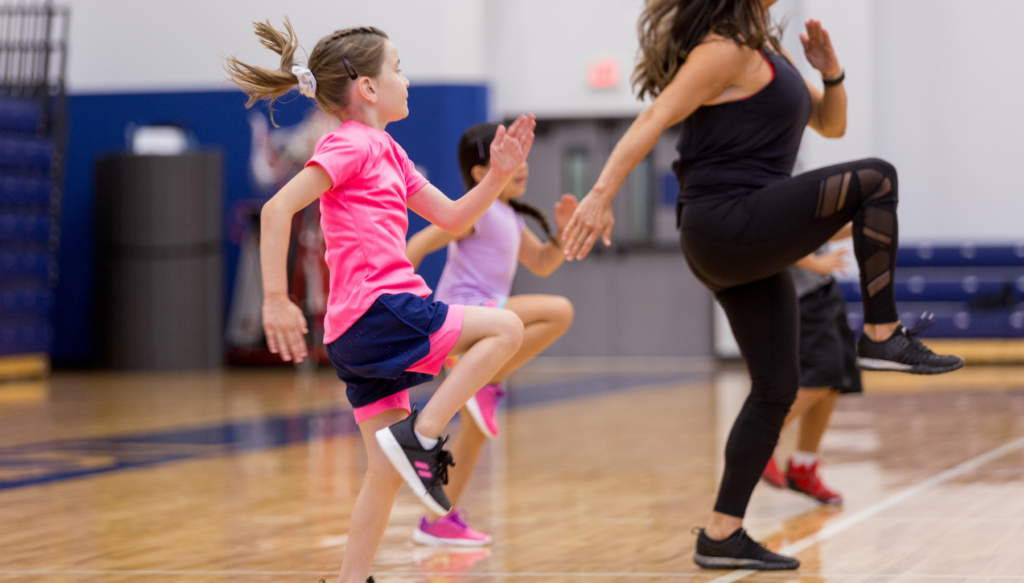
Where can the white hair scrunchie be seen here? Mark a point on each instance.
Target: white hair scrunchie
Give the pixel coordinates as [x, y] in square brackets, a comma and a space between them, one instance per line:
[307, 83]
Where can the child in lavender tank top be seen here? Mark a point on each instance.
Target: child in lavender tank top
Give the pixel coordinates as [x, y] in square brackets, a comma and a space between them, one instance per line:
[481, 266]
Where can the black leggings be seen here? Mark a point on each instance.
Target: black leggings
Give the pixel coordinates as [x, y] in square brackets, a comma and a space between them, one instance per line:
[740, 246]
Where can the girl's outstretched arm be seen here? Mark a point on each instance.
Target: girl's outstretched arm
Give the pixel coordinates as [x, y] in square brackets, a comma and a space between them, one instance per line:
[426, 242]
[542, 259]
[508, 151]
[283, 321]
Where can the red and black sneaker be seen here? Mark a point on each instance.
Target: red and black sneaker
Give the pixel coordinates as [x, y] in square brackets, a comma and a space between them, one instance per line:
[805, 479]
[772, 476]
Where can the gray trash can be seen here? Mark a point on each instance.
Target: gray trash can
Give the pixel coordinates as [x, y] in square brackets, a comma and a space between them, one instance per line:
[159, 261]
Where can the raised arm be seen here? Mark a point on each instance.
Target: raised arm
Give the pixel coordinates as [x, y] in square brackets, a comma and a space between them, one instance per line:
[828, 114]
[430, 239]
[283, 321]
[709, 70]
[508, 151]
[543, 258]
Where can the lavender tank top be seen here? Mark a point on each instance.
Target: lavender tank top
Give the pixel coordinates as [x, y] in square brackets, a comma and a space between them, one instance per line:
[481, 266]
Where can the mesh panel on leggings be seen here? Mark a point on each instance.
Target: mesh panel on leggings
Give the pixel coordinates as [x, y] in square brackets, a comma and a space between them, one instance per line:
[879, 230]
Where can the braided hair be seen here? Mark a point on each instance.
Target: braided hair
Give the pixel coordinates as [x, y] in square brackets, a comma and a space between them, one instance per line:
[475, 150]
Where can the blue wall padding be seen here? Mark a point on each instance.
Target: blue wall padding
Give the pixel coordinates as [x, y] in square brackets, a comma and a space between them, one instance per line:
[97, 124]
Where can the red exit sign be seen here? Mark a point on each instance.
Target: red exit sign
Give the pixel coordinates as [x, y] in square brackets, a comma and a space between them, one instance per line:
[603, 73]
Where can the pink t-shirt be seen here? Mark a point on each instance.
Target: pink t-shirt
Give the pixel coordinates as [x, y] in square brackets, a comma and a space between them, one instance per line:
[364, 219]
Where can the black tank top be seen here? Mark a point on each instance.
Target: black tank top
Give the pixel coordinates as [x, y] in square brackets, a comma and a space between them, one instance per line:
[741, 146]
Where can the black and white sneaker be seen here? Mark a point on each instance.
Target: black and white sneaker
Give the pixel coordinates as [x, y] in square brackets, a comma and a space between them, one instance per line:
[903, 352]
[426, 471]
[739, 551]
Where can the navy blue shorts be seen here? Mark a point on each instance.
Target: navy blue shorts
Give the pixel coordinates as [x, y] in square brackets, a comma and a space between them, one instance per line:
[400, 342]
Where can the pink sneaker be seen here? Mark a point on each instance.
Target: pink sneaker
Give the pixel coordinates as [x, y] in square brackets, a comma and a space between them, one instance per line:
[483, 407]
[450, 530]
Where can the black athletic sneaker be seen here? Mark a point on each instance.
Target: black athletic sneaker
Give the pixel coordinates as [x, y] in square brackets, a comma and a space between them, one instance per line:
[739, 551]
[903, 352]
[426, 471]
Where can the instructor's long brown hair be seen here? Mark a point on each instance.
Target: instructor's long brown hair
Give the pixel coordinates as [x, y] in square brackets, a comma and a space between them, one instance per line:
[670, 29]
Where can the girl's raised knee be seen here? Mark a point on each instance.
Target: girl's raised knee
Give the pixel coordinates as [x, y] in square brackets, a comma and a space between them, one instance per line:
[511, 328]
[564, 310]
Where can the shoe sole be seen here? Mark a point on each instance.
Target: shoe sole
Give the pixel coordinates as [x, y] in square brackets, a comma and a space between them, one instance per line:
[730, 563]
[889, 366]
[396, 455]
[830, 502]
[478, 418]
[429, 540]
[773, 484]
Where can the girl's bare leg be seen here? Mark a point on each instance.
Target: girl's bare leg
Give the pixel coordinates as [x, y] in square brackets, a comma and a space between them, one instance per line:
[466, 450]
[815, 422]
[489, 338]
[373, 505]
[545, 319]
[806, 399]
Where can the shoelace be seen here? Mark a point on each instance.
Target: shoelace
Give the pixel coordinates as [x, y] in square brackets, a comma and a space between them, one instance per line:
[456, 517]
[743, 536]
[917, 350]
[444, 459]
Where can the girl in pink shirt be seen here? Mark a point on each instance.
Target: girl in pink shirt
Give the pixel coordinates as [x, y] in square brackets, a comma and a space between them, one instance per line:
[481, 265]
[381, 334]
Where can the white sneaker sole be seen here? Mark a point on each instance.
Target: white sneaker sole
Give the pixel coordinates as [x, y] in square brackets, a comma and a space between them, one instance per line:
[877, 364]
[729, 563]
[432, 541]
[886, 365]
[396, 455]
[478, 418]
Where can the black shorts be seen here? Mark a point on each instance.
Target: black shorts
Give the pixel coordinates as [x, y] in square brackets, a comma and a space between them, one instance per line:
[828, 352]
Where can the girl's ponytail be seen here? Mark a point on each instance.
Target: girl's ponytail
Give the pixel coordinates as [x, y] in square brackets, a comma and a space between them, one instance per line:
[525, 208]
[336, 62]
[259, 83]
[475, 150]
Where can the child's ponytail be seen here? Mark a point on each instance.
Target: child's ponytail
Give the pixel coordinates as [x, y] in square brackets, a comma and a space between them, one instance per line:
[259, 83]
[525, 208]
[475, 150]
[336, 62]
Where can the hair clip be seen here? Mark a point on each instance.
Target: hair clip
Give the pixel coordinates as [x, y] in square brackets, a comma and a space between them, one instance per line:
[480, 148]
[350, 70]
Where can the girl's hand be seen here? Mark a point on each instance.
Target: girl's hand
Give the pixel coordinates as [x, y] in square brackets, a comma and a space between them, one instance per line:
[510, 149]
[592, 218]
[818, 49]
[827, 263]
[564, 209]
[284, 324]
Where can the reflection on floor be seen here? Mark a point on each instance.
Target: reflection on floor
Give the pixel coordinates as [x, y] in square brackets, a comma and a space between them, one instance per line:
[602, 470]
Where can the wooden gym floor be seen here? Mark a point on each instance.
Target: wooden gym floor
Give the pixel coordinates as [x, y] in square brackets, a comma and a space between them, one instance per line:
[601, 472]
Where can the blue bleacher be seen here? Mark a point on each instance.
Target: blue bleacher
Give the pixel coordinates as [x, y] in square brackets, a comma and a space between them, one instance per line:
[19, 303]
[32, 124]
[24, 227]
[19, 115]
[26, 339]
[26, 152]
[975, 291]
[25, 265]
[18, 190]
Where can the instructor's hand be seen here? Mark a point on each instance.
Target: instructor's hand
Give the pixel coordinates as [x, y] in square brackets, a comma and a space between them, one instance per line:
[593, 218]
[284, 325]
[818, 49]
